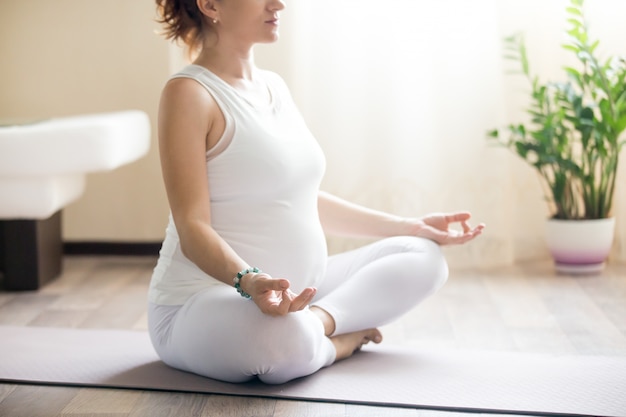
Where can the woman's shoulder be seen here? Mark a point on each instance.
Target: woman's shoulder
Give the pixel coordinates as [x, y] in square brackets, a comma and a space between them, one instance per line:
[196, 78]
[179, 91]
[193, 71]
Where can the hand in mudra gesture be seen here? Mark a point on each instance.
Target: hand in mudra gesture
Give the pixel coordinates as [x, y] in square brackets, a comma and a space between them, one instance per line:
[273, 296]
[436, 227]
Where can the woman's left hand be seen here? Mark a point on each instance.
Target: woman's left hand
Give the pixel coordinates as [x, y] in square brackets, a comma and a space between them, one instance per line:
[436, 227]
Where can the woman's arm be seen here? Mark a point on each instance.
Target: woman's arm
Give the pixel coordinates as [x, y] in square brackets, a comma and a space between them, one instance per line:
[190, 122]
[340, 217]
[343, 218]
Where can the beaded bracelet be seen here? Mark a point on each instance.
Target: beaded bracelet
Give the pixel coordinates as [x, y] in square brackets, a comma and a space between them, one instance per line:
[237, 280]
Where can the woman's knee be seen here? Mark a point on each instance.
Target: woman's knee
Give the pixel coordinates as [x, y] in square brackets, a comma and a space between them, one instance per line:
[295, 337]
[294, 347]
[422, 259]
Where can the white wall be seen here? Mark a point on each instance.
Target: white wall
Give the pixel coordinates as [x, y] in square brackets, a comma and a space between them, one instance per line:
[67, 57]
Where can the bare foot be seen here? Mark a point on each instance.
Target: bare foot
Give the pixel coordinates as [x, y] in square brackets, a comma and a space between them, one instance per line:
[347, 344]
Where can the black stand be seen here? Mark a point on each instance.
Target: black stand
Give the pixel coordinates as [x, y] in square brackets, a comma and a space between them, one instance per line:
[30, 252]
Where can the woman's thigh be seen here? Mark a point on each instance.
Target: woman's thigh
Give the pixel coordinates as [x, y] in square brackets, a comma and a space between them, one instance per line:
[344, 266]
[376, 284]
[221, 335]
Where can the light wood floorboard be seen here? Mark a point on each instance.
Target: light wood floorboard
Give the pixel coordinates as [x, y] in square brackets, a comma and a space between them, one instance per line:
[523, 308]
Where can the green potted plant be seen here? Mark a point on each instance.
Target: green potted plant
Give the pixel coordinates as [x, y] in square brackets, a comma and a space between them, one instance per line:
[573, 140]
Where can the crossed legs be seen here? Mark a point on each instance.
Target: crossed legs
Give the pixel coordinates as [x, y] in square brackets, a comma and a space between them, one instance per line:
[220, 335]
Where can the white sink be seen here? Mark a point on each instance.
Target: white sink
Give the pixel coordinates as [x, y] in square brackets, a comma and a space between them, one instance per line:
[43, 164]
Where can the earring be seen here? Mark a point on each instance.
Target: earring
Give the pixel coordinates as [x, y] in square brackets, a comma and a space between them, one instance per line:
[214, 21]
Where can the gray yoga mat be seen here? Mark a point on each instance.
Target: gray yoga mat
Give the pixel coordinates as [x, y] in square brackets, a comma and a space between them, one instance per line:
[458, 380]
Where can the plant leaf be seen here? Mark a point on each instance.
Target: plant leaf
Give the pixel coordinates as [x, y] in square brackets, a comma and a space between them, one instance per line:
[574, 11]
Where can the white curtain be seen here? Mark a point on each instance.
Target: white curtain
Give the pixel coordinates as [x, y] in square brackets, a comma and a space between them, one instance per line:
[400, 95]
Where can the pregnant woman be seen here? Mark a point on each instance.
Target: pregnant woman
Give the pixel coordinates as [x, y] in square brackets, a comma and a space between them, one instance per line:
[244, 286]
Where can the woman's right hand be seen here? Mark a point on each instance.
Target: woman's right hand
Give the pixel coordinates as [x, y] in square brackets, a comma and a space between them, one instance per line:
[273, 296]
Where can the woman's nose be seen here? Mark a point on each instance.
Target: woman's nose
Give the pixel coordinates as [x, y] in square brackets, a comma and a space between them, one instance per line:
[277, 5]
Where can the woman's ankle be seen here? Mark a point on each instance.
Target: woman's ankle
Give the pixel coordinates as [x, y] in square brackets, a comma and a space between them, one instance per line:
[327, 320]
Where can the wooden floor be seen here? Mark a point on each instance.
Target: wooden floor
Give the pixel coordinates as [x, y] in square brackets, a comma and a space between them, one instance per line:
[522, 308]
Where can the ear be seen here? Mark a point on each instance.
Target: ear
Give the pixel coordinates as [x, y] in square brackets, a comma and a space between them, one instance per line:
[208, 8]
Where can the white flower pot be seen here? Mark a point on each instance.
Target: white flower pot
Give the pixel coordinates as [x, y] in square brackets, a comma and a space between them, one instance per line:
[580, 246]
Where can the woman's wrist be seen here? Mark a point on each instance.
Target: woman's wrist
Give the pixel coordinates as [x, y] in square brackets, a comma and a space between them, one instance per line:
[409, 226]
[241, 281]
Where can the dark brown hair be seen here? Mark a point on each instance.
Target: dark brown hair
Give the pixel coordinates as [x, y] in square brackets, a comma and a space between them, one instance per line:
[182, 22]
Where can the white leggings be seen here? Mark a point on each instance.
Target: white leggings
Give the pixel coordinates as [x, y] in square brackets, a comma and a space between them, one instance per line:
[220, 335]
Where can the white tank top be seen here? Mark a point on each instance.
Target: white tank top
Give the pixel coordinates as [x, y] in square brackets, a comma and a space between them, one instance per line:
[264, 176]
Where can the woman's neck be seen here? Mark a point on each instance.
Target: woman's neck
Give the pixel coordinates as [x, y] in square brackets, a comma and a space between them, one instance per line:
[231, 65]
[238, 70]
